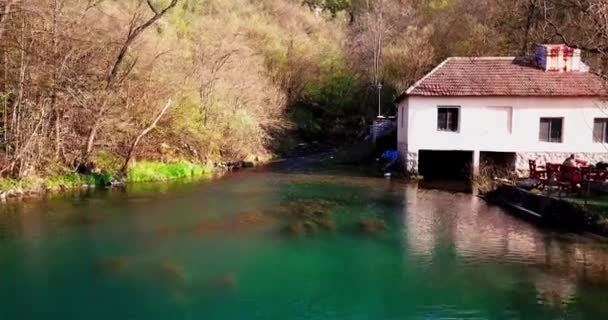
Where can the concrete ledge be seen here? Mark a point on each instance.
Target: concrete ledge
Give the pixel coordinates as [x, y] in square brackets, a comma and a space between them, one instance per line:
[547, 210]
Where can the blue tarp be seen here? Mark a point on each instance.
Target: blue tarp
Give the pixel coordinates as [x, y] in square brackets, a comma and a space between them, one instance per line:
[391, 155]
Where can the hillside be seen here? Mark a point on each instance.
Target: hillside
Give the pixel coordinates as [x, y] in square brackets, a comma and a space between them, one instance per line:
[102, 82]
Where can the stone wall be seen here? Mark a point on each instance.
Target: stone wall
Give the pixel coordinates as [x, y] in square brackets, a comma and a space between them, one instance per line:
[409, 159]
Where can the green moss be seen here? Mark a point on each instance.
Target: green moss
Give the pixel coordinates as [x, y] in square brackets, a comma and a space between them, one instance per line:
[140, 172]
[155, 171]
[56, 182]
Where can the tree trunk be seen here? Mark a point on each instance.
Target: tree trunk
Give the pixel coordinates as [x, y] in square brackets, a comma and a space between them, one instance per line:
[123, 170]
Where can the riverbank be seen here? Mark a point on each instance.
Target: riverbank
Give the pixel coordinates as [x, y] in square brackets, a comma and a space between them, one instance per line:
[144, 171]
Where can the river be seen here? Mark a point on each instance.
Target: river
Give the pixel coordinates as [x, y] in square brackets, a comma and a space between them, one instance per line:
[291, 242]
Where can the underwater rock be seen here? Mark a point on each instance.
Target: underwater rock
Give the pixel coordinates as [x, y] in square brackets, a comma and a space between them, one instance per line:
[371, 225]
[296, 228]
[321, 214]
[225, 281]
[113, 265]
[164, 231]
[309, 209]
[245, 221]
[172, 272]
[251, 218]
[311, 227]
[80, 220]
[327, 225]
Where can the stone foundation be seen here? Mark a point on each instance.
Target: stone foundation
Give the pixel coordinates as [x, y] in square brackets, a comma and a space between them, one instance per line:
[409, 159]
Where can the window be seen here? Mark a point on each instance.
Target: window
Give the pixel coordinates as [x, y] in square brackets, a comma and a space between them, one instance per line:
[600, 130]
[448, 118]
[551, 129]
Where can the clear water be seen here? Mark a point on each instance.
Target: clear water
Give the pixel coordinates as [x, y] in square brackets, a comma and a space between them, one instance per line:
[291, 244]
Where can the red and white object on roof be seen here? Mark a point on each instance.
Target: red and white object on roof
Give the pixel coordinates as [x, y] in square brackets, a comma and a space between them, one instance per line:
[560, 58]
[557, 71]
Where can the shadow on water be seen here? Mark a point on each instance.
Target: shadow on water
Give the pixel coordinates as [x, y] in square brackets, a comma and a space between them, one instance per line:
[461, 186]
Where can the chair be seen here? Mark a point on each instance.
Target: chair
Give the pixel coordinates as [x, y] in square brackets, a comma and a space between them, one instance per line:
[535, 172]
[571, 178]
[554, 171]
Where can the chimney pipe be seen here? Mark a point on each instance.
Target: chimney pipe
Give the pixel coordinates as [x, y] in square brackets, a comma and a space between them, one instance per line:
[559, 58]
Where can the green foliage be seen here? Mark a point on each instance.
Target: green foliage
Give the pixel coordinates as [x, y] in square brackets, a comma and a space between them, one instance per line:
[64, 181]
[334, 89]
[75, 180]
[154, 171]
[106, 161]
[329, 107]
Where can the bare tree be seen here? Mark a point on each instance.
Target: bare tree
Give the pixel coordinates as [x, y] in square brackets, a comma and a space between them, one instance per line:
[135, 30]
[142, 134]
[389, 43]
[581, 24]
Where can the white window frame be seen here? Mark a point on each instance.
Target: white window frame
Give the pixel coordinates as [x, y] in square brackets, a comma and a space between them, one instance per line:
[458, 124]
[561, 138]
[604, 138]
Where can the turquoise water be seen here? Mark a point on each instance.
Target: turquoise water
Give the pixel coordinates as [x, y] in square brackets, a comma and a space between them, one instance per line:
[291, 244]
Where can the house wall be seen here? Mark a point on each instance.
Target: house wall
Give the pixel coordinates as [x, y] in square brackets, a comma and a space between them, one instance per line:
[480, 127]
[402, 137]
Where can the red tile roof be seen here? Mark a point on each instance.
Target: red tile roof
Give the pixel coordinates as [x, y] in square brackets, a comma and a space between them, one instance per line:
[503, 76]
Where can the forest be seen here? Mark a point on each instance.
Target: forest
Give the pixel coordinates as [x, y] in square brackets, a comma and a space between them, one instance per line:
[103, 83]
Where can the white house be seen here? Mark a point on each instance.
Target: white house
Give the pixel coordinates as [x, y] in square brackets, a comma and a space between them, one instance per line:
[505, 108]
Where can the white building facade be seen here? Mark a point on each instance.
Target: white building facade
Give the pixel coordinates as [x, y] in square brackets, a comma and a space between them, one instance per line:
[502, 105]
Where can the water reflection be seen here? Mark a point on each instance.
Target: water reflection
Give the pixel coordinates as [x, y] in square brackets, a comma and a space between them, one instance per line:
[357, 247]
[481, 233]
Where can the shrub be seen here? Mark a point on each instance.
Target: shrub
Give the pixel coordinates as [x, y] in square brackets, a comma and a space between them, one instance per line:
[154, 171]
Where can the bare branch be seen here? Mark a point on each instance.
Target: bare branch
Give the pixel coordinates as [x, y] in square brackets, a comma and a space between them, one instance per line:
[134, 33]
[149, 2]
[160, 114]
